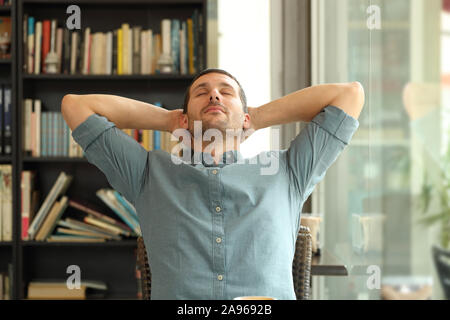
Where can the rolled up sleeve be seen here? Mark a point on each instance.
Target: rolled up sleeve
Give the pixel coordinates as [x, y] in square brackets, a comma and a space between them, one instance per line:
[121, 158]
[317, 146]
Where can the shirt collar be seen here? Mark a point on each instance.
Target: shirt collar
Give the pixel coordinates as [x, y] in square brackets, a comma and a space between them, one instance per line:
[228, 157]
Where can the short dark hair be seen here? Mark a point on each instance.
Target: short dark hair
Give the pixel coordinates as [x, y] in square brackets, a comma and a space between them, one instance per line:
[187, 95]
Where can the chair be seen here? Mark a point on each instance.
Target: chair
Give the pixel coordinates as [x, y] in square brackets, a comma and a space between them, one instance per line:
[301, 266]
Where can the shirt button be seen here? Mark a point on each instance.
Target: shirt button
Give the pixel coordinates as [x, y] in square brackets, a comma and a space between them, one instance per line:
[218, 240]
[214, 171]
[220, 277]
[218, 209]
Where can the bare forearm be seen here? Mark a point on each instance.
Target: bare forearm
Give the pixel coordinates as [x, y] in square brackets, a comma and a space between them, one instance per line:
[124, 112]
[305, 104]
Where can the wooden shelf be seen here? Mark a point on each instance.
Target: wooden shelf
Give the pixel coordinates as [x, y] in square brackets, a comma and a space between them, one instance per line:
[5, 243]
[5, 158]
[115, 77]
[5, 9]
[5, 61]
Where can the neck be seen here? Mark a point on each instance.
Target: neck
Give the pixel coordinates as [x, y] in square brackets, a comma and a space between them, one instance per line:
[217, 149]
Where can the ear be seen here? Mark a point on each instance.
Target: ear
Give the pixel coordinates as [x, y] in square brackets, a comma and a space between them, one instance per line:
[183, 121]
[247, 121]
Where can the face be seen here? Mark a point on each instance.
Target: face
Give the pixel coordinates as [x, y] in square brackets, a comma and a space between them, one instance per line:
[214, 100]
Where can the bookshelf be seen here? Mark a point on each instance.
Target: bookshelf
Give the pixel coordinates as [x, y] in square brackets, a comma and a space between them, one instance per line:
[8, 250]
[112, 262]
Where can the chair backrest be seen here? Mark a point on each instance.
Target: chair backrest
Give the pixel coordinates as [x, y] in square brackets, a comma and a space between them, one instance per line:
[441, 258]
[301, 266]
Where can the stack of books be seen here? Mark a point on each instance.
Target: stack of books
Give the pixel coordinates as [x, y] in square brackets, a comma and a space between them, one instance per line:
[46, 134]
[89, 225]
[125, 50]
[60, 290]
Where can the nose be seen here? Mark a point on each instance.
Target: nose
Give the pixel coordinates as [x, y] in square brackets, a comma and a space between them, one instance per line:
[214, 96]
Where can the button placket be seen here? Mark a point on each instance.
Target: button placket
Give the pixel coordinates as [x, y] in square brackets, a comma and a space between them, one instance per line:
[218, 234]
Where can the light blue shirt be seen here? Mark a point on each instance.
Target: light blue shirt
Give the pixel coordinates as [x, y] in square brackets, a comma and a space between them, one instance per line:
[218, 231]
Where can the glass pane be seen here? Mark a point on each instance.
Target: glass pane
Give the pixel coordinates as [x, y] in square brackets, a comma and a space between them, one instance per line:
[373, 201]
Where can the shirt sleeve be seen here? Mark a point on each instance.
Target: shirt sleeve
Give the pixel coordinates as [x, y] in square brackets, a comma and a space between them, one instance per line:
[121, 158]
[317, 146]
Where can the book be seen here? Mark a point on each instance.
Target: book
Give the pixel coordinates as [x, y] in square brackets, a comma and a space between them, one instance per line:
[40, 234]
[120, 52]
[6, 201]
[87, 48]
[50, 222]
[36, 128]
[59, 47]
[79, 225]
[101, 224]
[136, 49]
[190, 41]
[37, 47]
[5, 28]
[58, 290]
[45, 43]
[75, 232]
[28, 106]
[175, 44]
[108, 198]
[73, 238]
[88, 209]
[126, 205]
[59, 187]
[7, 120]
[157, 133]
[27, 184]
[30, 44]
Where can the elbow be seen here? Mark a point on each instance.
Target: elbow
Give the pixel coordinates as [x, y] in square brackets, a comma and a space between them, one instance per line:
[358, 94]
[67, 101]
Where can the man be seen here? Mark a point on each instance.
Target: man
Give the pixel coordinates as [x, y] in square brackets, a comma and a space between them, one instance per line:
[217, 228]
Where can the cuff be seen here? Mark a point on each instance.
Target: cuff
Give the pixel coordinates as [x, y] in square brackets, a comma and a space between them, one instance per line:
[90, 129]
[338, 123]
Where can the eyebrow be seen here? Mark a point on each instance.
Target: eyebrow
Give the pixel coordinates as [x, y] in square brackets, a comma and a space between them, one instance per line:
[206, 84]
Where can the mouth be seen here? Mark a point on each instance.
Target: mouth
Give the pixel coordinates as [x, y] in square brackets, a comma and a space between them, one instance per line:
[214, 109]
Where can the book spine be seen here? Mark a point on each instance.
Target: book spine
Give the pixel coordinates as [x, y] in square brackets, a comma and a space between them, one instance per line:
[25, 43]
[28, 105]
[136, 48]
[45, 43]
[54, 126]
[65, 138]
[2, 119]
[25, 203]
[190, 46]
[119, 51]
[175, 44]
[59, 46]
[73, 52]
[195, 37]
[114, 52]
[157, 133]
[43, 136]
[66, 48]
[87, 33]
[38, 127]
[30, 44]
[43, 210]
[37, 47]
[7, 146]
